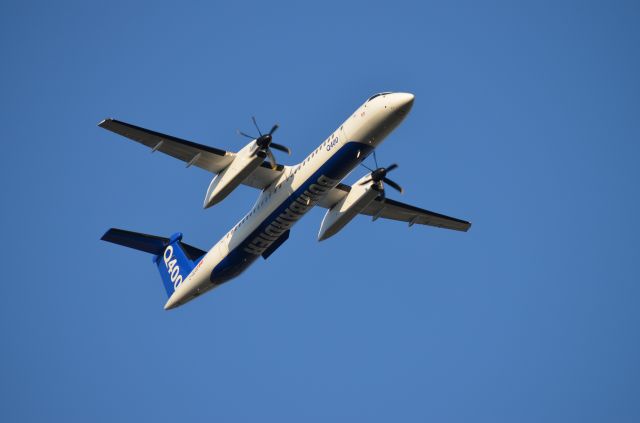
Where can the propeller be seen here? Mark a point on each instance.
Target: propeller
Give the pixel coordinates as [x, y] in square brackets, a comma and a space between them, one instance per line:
[265, 143]
[379, 175]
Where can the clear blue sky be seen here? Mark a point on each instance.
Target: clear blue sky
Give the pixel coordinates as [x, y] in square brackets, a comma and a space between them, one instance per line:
[526, 122]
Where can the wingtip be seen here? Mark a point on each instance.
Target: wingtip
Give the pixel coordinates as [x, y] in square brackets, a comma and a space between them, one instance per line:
[106, 234]
[103, 123]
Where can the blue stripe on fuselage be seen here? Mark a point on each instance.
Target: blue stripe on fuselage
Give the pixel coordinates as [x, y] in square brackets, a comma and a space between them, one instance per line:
[336, 167]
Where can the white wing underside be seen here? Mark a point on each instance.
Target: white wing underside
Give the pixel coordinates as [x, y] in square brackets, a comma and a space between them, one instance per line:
[215, 160]
[208, 158]
[395, 210]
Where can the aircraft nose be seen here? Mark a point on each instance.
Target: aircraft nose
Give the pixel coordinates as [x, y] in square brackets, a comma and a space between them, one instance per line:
[404, 101]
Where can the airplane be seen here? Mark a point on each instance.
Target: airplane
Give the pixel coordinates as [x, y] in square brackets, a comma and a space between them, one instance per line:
[286, 194]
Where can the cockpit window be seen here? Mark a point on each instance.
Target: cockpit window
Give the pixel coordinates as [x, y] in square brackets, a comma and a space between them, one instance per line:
[377, 95]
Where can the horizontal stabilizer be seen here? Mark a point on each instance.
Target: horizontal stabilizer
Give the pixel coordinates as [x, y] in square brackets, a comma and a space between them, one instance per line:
[148, 243]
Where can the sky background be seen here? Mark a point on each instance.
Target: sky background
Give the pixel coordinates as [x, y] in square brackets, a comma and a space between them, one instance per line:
[526, 122]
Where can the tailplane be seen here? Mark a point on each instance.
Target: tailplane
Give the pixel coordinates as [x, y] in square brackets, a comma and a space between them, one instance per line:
[175, 259]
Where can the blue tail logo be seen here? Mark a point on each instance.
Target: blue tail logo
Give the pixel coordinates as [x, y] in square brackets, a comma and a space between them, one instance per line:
[174, 264]
[173, 269]
[175, 259]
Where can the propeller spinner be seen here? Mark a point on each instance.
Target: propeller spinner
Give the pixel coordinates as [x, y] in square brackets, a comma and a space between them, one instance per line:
[379, 175]
[264, 143]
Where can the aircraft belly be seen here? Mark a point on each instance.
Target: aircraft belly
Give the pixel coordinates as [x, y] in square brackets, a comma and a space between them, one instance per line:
[298, 203]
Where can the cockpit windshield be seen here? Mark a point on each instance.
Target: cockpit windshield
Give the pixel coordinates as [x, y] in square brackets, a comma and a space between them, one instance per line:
[376, 95]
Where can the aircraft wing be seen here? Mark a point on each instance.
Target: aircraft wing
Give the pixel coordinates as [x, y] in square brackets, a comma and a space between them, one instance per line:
[395, 210]
[208, 158]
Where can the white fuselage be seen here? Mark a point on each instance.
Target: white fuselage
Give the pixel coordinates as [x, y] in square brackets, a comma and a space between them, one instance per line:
[297, 190]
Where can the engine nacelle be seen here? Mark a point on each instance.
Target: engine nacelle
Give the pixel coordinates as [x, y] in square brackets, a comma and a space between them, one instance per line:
[353, 203]
[229, 179]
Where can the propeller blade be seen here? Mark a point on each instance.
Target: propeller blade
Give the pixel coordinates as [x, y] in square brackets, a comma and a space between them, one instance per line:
[366, 167]
[391, 167]
[375, 159]
[271, 158]
[275, 127]
[366, 181]
[393, 184]
[245, 135]
[253, 118]
[280, 147]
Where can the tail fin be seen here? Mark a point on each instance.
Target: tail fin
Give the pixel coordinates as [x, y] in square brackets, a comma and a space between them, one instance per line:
[174, 258]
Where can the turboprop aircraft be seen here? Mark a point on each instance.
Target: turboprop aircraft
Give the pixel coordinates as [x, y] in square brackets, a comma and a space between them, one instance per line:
[286, 194]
